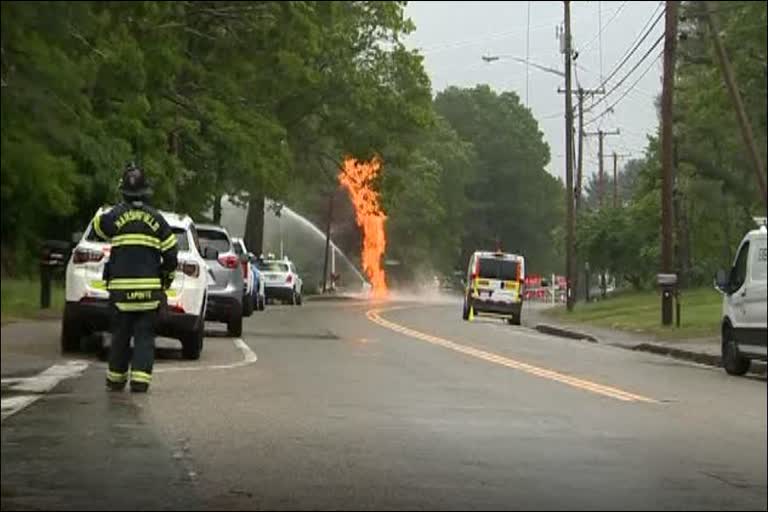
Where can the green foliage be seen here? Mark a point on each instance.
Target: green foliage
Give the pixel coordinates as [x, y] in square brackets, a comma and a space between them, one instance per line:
[512, 198]
[715, 191]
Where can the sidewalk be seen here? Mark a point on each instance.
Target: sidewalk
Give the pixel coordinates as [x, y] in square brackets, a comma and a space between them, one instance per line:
[699, 350]
[29, 346]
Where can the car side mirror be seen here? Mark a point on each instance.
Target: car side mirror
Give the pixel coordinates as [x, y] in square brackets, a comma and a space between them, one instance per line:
[210, 253]
[721, 281]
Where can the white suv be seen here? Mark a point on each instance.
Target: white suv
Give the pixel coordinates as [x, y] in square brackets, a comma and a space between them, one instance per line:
[281, 281]
[745, 296]
[87, 308]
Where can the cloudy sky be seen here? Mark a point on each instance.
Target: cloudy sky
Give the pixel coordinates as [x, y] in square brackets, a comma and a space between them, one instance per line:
[453, 36]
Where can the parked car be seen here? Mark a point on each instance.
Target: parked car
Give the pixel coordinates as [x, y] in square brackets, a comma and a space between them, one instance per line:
[495, 286]
[282, 281]
[744, 323]
[87, 307]
[225, 292]
[253, 296]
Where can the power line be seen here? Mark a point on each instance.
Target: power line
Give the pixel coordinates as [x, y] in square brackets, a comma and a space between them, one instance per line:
[626, 76]
[600, 34]
[610, 108]
[602, 27]
[641, 37]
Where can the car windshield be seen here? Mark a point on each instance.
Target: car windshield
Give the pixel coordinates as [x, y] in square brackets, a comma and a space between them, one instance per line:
[498, 268]
[215, 239]
[274, 266]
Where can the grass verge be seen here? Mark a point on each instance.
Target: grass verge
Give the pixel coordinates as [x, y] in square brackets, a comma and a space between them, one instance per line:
[640, 312]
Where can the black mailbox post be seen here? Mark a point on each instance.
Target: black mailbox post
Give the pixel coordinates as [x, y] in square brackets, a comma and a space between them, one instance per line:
[668, 285]
[53, 259]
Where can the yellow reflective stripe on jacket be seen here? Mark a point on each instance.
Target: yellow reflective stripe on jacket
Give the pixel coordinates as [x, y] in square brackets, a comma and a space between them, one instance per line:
[128, 307]
[137, 376]
[136, 239]
[117, 376]
[97, 227]
[168, 243]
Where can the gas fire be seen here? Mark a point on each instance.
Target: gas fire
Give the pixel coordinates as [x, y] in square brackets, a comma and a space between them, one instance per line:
[357, 177]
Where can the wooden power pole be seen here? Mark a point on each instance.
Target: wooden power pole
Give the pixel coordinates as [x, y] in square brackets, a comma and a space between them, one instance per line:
[581, 93]
[570, 238]
[667, 248]
[600, 157]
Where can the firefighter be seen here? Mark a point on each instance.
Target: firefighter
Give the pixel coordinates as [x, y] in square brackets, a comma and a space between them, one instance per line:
[141, 267]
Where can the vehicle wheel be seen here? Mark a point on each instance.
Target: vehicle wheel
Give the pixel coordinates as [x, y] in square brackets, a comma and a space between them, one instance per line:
[293, 298]
[465, 311]
[192, 343]
[733, 362]
[235, 326]
[247, 305]
[298, 299]
[71, 332]
[262, 303]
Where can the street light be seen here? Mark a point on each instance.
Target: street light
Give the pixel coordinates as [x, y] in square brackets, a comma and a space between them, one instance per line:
[493, 58]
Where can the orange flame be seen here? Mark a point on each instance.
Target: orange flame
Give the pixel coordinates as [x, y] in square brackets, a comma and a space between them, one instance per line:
[357, 177]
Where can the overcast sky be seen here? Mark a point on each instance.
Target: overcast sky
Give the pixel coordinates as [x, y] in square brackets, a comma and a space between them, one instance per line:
[453, 36]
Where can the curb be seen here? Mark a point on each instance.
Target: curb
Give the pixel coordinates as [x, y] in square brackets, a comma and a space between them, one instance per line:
[565, 333]
[688, 355]
[664, 350]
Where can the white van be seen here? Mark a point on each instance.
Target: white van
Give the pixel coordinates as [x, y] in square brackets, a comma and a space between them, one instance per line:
[744, 323]
[495, 286]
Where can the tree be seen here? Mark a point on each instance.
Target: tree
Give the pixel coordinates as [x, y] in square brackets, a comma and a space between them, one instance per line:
[512, 198]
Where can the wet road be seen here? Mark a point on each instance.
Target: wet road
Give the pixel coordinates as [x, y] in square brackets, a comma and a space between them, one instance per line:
[349, 405]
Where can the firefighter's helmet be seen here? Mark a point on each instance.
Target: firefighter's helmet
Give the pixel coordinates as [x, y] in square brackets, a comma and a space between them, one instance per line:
[134, 183]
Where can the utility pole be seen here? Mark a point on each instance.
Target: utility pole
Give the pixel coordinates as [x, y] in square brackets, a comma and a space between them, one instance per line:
[616, 157]
[615, 180]
[327, 241]
[667, 260]
[738, 104]
[581, 93]
[569, 199]
[601, 174]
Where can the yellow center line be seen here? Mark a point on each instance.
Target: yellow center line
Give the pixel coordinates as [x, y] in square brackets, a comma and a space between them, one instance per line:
[374, 316]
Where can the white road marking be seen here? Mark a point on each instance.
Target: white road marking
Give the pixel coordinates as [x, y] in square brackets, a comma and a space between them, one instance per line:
[39, 385]
[249, 357]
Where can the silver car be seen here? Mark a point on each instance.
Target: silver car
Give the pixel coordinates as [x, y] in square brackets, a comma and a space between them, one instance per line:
[225, 288]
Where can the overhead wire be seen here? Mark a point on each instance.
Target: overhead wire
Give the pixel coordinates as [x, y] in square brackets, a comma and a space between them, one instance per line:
[618, 84]
[610, 109]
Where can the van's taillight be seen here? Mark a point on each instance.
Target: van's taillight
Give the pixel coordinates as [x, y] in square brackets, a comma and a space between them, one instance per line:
[289, 279]
[189, 268]
[229, 261]
[245, 269]
[82, 255]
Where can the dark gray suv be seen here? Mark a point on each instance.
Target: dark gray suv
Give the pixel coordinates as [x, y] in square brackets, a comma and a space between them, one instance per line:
[225, 286]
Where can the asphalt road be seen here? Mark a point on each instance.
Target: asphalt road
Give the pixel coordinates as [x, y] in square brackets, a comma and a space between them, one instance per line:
[350, 405]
